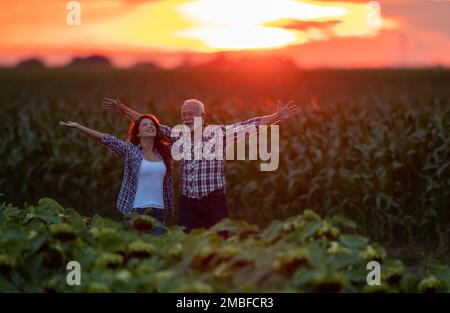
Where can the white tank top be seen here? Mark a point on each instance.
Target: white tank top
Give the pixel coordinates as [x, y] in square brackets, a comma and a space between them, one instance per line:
[150, 178]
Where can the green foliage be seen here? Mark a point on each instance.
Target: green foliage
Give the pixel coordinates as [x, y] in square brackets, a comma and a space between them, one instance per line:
[295, 255]
[372, 145]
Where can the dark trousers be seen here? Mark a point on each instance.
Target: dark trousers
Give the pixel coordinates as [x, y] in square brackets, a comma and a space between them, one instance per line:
[204, 212]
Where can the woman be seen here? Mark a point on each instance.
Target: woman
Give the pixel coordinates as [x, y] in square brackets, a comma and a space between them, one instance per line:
[147, 186]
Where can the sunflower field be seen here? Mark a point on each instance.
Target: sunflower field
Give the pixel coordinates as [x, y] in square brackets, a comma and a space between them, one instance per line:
[305, 253]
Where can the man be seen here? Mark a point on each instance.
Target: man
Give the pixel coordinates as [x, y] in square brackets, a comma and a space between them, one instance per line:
[203, 200]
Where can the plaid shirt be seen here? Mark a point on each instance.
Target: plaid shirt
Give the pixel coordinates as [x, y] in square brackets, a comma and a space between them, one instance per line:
[200, 177]
[133, 156]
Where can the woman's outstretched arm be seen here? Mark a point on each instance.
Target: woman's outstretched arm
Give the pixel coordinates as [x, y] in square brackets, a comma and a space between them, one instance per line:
[91, 132]
[118, 146]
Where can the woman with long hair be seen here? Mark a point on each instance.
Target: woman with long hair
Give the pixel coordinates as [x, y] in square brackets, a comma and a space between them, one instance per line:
[147, 185]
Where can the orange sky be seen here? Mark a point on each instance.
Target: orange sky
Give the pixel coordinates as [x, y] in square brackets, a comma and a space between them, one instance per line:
[312, 33]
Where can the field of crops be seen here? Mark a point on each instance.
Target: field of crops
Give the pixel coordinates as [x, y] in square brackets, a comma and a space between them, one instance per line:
[372, 145]
[303, 253]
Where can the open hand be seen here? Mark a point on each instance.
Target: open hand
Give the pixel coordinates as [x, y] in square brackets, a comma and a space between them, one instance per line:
[286, 110]
[69, 124]
[113, 105]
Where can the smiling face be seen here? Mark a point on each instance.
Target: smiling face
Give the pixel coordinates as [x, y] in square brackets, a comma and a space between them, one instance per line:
[146, 129]
[191, 108]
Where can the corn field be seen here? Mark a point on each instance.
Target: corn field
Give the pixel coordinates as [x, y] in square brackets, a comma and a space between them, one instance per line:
[372, 145]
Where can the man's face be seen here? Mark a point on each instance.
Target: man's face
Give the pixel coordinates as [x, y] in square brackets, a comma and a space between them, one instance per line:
[188, 112]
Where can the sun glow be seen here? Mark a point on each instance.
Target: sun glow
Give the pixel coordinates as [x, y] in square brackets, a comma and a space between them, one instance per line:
[236, 24]
[191, 25]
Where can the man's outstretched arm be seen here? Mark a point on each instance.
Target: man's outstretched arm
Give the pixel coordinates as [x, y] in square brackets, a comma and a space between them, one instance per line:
[238, 130]
[284, 112]
[119, 107]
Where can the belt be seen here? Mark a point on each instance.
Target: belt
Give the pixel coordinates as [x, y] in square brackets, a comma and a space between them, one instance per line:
[217, 192]
[146, 210]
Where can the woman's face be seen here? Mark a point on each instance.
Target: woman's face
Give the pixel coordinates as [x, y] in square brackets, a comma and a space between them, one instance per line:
[147, 129]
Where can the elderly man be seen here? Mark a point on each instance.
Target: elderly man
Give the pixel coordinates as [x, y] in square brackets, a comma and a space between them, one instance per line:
[203, 200]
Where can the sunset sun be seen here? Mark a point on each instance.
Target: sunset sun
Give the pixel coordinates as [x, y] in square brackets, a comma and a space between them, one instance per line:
[237, 24]
[218, 25]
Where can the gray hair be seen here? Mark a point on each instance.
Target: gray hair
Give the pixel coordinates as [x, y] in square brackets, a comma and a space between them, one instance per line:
[199, 104]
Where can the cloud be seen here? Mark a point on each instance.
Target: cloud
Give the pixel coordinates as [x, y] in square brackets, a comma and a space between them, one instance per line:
[426, 15]
[304, 25]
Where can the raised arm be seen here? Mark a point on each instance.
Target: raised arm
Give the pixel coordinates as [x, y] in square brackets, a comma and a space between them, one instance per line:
[119, 107]
[238, 131]
[120, 147]
[284, 112]
[91, 132]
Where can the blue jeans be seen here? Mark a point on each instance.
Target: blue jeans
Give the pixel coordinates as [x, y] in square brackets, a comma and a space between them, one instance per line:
[155, 213]
[204, 212]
